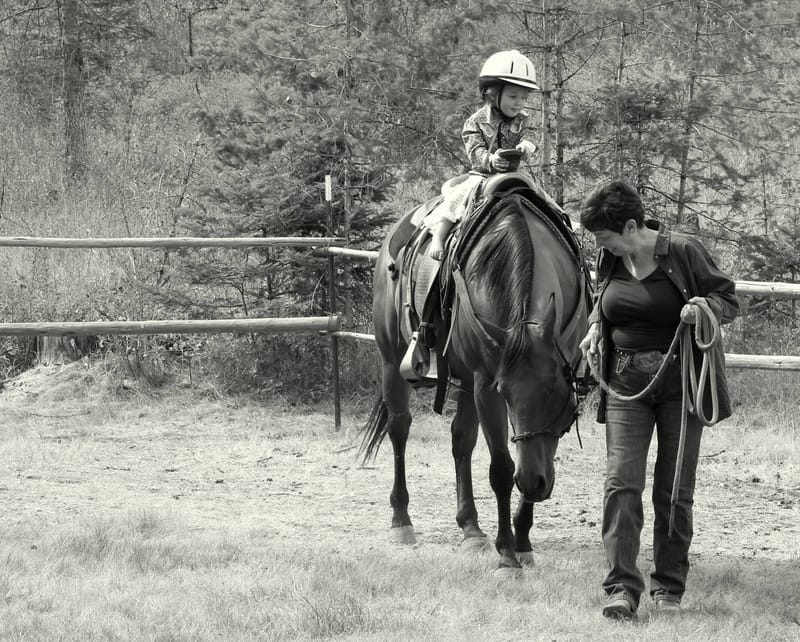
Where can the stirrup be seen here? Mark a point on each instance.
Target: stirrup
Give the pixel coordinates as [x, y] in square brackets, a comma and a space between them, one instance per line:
[416, 361]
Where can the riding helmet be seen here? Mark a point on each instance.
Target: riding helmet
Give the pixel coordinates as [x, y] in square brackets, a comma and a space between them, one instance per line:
[509, 67]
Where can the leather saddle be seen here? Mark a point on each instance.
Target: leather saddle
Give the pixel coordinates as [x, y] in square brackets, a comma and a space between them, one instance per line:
[417, 299]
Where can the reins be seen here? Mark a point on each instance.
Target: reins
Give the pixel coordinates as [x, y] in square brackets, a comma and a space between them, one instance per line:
[707, 336]
[479, 326]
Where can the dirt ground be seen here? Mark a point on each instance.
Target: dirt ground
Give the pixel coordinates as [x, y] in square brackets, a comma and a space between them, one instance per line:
[72, 455]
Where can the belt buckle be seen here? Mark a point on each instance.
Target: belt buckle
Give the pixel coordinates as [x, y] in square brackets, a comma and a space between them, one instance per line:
[648, 361]
[623, 358]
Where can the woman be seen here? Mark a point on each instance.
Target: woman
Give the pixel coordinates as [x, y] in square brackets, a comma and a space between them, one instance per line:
[646, 278]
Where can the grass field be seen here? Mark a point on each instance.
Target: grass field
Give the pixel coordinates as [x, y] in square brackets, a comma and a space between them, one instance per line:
[185, 515]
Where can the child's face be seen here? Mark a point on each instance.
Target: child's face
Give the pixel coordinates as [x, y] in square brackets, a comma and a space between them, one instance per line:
[513, 99]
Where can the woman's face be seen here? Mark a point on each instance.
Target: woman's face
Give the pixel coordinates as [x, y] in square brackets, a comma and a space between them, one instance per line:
[609, 240]
[513, 99]
[618, 243]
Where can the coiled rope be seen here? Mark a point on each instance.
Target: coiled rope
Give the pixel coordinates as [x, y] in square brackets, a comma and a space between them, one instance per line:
[707, 337]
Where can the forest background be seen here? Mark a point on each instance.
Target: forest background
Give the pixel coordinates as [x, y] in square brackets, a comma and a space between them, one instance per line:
[222, 118]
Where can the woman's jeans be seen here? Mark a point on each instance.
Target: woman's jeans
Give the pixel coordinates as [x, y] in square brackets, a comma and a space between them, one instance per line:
[629, 429]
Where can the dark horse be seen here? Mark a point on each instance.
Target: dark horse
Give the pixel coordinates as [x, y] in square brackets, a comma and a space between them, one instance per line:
[518, 313]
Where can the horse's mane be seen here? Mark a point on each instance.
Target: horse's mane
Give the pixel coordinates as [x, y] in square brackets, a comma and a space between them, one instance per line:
[503, 259]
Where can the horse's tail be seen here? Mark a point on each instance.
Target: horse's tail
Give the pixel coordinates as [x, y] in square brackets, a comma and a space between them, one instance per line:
[375, 430]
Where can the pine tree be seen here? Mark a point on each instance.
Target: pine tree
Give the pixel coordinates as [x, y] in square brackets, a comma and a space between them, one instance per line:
[681, 98]
[67, 50]
[345, 90]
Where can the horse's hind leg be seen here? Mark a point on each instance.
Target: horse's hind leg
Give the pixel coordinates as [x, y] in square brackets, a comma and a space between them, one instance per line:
[464, 435]
[396, 396]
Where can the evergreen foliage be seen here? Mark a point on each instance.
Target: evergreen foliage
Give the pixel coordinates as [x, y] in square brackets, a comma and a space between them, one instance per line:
[223, 119]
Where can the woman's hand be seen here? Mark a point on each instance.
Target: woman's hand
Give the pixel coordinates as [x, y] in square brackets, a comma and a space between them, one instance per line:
[689, 312]
[590, 345]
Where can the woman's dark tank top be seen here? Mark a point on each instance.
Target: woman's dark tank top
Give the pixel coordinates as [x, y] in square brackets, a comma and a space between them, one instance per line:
[643, 315]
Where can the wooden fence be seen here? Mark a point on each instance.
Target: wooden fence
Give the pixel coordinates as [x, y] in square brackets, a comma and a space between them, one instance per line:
[325, 325]
[329, 326]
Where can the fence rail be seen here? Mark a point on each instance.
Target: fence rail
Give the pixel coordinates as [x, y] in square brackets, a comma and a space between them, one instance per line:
[177, 241]
[369, 255]
[329, 324]
[761, 362]
[766, 288]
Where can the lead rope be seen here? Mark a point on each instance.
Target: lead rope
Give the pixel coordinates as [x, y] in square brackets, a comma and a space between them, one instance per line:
[692, 386]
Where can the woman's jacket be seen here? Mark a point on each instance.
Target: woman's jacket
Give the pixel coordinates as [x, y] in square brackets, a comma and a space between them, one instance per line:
[691, 269]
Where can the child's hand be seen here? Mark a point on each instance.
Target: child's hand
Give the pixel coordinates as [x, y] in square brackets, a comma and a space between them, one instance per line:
[527, 148]
[498, 163]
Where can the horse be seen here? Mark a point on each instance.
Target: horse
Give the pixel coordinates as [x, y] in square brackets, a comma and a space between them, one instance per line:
[517, 314]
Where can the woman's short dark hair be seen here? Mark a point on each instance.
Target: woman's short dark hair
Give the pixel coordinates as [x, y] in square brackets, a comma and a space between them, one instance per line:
[610, 205]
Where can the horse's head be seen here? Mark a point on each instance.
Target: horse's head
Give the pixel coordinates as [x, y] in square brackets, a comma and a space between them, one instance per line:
[535, 381]
[533, 317]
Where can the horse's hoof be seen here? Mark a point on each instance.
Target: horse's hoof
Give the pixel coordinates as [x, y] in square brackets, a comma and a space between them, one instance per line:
[508, 573]
[474, 544]
[403, 535]
[526, 559]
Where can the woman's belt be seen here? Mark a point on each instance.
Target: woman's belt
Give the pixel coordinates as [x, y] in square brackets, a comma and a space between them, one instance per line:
[647, 361]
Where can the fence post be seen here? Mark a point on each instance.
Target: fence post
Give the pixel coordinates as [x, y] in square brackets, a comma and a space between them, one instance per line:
[337, 406]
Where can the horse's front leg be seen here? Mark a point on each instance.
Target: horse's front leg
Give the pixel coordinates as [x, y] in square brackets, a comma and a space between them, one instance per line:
[464, 436]
[523, 521]
[492, 415]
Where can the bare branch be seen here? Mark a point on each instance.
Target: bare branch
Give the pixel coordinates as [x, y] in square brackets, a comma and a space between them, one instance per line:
[22, 12]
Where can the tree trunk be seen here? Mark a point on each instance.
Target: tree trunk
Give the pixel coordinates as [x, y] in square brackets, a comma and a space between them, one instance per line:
[689, 218]
[618, 78]
[73, 87]
[347, 274]
[558, 167]
[56, 351]
[545, 159]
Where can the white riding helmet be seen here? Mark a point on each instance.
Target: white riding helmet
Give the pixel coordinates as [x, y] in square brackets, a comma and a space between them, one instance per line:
[508, 67]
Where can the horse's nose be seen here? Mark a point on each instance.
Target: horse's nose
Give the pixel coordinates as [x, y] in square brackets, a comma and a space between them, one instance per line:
[534, 486]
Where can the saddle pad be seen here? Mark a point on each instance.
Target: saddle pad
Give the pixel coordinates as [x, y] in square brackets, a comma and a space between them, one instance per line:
[401, 234]
[418, 276]
[426, 271]
[423, 210]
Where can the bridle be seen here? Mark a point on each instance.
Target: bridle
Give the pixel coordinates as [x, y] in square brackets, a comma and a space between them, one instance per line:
[578, 385]
[575, 397]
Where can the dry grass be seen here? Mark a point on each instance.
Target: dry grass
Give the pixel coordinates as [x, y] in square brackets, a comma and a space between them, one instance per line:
[188, 517]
